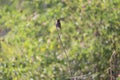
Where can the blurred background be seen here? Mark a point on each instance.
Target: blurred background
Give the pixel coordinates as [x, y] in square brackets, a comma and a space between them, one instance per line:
[31, 50]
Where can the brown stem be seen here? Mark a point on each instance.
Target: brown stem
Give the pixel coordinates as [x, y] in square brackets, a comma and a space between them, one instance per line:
[65, 51]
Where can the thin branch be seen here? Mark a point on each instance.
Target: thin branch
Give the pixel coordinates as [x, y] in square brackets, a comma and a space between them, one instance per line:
[65, 50]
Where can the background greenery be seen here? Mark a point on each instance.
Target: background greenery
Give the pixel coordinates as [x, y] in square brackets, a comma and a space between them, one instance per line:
[32, 50]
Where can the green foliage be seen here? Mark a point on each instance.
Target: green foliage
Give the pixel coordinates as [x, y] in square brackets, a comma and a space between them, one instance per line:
[32, 50]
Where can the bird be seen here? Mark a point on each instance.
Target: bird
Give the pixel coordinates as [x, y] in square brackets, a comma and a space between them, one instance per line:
[58, 24]
[3, 32]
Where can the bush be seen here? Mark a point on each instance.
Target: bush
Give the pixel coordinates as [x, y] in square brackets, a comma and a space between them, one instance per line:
[32, 49]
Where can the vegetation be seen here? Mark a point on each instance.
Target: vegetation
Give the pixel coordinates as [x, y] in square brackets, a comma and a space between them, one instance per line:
[32, 50]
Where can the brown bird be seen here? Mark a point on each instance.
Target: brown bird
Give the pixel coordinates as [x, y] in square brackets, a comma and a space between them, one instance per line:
[58, 24]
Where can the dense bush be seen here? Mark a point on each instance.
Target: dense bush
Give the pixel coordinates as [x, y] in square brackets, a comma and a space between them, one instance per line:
[31, 50]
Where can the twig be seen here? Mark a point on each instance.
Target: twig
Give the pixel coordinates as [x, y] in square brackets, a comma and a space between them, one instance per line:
[65, 50]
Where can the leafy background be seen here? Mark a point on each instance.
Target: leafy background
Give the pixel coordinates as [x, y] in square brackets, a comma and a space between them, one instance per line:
[31, 50]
